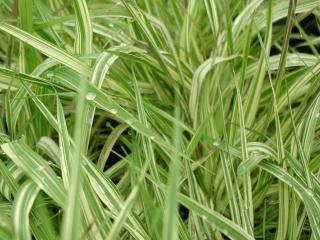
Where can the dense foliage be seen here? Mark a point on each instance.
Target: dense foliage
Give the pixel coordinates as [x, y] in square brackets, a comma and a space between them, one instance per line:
[159, 119]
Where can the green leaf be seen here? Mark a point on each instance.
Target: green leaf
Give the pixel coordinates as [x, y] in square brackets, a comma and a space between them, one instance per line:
[21, 208]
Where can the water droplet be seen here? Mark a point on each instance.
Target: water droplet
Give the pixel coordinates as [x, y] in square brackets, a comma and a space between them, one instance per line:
[88, 122]
[310, 192]
[90, 96]
[254, 153]
[215, 143]
[50, 74]
[204, 217]
[111, 25]
[152, 137]
[41, 168]
[114, 111]
[40, 185]
[318, 115]
[225, 232]
[108, 124]
[129, 121]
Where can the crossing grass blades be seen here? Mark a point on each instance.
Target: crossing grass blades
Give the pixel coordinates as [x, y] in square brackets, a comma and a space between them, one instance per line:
[144, 119]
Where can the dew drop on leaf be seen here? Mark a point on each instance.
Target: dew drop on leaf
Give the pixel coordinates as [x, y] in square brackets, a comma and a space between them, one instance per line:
[310, 192]
[129, 121]
[90, 96]
[40, 185]
[114, 111]
[41, 168]
[204, 217]
[50, 74]
[215, 143]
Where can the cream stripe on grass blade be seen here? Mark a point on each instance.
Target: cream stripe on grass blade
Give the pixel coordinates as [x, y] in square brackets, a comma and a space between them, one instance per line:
[83, 46]
[37, 169]
[170, 230]
[21, 208]
[100, 69]
[100, 152]
[47, 48]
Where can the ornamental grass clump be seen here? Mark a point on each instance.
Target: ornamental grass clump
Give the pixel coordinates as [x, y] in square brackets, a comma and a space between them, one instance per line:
[144, 119]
